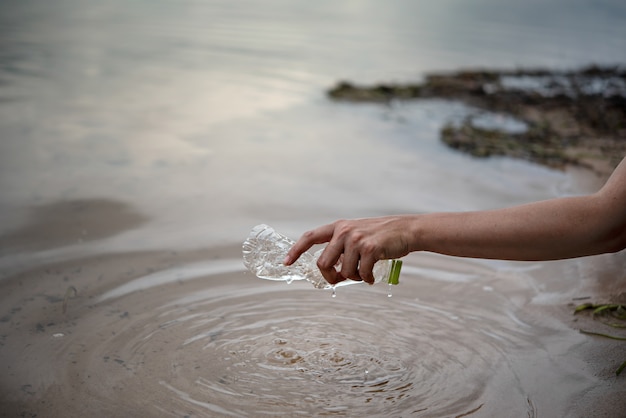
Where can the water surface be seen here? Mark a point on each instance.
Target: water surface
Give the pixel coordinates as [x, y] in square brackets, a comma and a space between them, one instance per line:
[141, 141]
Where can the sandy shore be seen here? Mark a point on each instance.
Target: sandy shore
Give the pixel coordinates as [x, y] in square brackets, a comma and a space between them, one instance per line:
[575, 121]
[34, 296]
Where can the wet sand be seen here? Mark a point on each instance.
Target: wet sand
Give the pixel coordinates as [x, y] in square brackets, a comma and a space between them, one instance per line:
[90, 322]
[141, 144]
[108, 347]
[163, 329]
[599, 280]
[63, 223]
[575, 128]
[581, 131]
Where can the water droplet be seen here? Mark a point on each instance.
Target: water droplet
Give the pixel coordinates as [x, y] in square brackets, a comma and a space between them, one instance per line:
[58, 335]
[389, 294]
[334, 292]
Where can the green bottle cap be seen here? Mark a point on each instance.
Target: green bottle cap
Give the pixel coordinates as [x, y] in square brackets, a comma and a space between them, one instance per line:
[394, 274]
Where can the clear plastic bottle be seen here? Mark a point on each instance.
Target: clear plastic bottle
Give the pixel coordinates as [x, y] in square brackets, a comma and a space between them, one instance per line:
[265, 249]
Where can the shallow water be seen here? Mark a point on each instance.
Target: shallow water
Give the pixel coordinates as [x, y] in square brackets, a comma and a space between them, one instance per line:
[193, 335]
[140, 143]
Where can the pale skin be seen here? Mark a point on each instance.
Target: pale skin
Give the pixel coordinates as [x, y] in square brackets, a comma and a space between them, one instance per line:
[552, 229]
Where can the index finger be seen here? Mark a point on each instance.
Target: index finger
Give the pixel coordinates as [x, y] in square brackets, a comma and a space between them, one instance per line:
[307, 240]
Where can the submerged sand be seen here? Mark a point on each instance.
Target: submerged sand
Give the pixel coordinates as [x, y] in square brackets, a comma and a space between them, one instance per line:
[105, 348]
[87, 327]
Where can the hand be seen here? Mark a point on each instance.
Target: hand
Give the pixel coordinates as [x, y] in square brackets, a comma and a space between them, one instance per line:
[358, 243]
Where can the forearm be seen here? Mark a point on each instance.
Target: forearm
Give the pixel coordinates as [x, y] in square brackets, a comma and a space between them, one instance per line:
[547, 230]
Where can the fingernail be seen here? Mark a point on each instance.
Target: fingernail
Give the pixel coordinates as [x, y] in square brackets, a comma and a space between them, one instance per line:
[286, 260]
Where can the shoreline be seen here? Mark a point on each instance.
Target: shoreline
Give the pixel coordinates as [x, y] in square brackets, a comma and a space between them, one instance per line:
[576, 122]
[572, 118]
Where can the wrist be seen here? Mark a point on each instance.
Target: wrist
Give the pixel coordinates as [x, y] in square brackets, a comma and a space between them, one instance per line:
[415, 233]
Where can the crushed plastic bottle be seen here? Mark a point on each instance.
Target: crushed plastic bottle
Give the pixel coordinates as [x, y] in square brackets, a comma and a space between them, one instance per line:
[265, 249]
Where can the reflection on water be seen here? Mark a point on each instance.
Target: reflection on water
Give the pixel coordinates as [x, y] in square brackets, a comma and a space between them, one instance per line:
[141, 142]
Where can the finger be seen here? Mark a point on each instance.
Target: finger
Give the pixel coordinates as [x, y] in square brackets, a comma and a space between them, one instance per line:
[350, 265]
[307, 240]
[365, 269]
[338, 278]
[328, 260]
[332, 276]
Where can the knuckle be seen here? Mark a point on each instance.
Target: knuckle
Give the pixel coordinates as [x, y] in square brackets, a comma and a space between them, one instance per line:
[308, 235]
[358, 237]
[342, 228]
[369, 248]
[322, 264]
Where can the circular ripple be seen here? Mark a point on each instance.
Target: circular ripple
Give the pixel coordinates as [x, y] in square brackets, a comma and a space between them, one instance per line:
[227, 345]
[301, 352]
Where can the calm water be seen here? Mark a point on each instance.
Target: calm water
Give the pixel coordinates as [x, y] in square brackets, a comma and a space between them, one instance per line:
[139, 143]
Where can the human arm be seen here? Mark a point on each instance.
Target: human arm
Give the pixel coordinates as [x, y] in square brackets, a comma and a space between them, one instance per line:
[547, 230]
